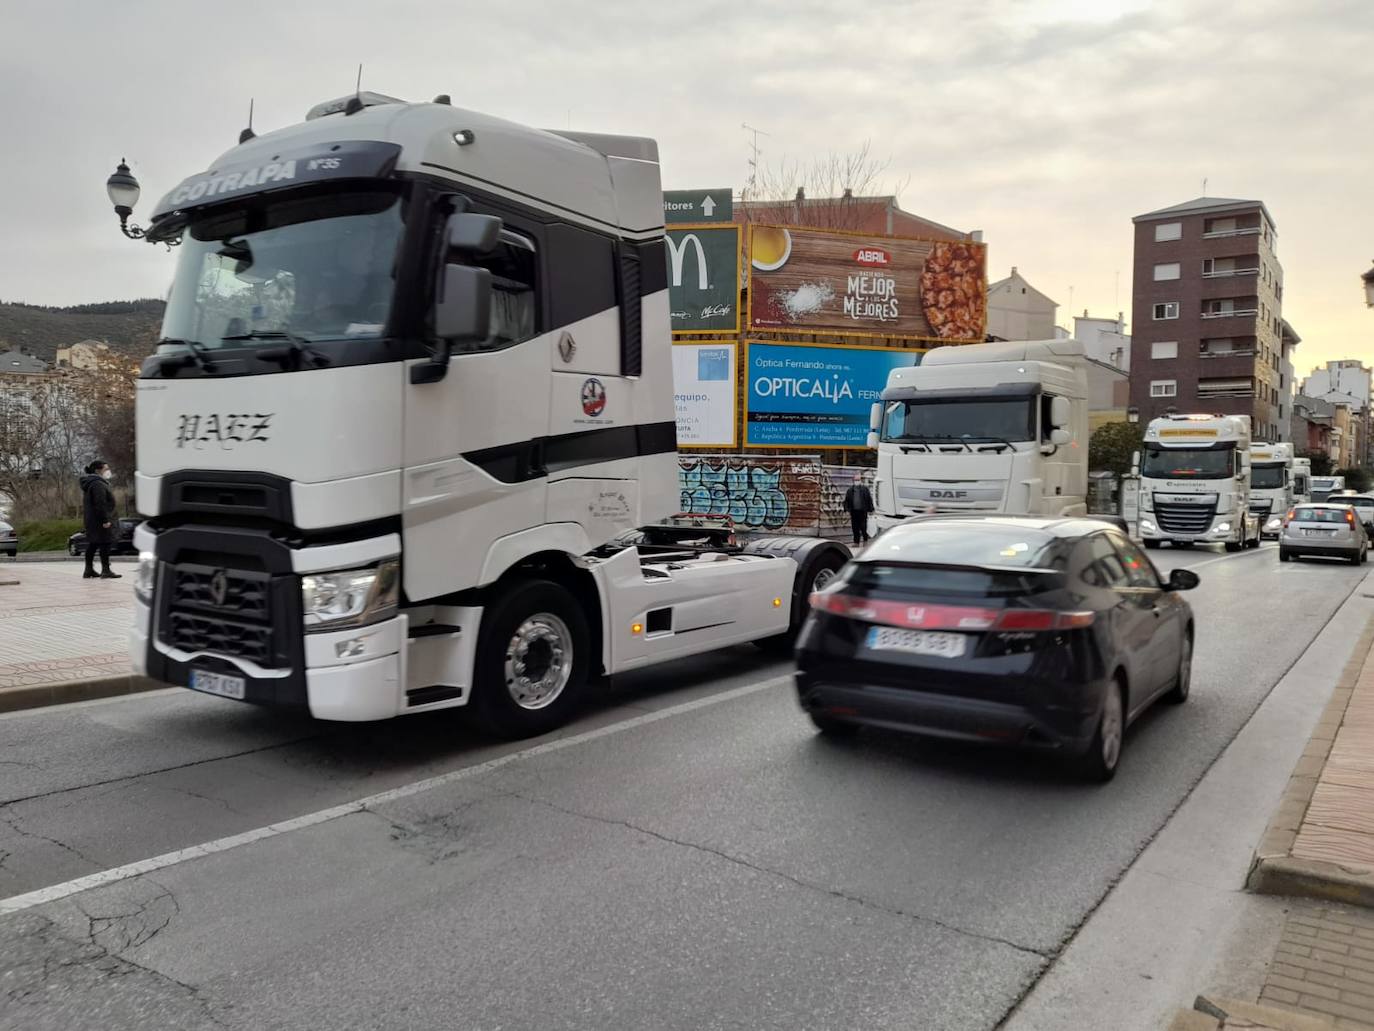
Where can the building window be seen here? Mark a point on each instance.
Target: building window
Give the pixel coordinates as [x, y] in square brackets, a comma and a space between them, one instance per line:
[1168, 231]
[1166, 271]
[1166, 310]
[1164, 388]
[1164, 349]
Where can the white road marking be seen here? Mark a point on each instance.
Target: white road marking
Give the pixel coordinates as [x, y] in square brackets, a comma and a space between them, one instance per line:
[18, 903]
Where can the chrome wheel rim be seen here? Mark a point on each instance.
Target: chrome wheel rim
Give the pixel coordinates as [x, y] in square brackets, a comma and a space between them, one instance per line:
[822, 578]
[539, 660]
[1111, 727]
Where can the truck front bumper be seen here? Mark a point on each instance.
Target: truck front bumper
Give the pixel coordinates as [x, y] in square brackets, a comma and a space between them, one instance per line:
[1224, 528]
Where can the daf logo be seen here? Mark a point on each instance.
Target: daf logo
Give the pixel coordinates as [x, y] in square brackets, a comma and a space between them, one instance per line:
[949, 495]
[219, 588]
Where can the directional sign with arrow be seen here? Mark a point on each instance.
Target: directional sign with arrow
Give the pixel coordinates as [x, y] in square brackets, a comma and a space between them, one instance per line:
[698, 206]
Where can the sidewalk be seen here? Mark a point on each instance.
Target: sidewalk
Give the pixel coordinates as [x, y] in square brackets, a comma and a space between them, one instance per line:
[62, 638]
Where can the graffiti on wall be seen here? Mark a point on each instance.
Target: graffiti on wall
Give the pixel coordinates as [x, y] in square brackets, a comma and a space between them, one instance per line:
[767, 493]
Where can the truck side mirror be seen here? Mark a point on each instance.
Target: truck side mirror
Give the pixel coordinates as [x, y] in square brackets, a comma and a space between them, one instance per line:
[875, 416]
[1061, 413]
[462, 313]
[472, 233]
[872, 441]
[1060, 437]
[1135, 463]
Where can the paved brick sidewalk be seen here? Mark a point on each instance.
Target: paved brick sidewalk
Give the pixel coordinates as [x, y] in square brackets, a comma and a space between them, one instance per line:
[1324, 964]
[56, 627]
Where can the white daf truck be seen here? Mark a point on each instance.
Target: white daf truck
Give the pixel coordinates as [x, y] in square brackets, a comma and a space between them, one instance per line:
[413, 397]
[1195, 482]
[1000, 427]
[1302, 480]
[1271, 485]
[1324, 486]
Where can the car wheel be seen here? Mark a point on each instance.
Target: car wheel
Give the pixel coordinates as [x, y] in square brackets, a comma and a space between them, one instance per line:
[1183, 682]
[1151, 545]
[1098, 764]
[1234, 546]
[1285, 555]
[831, 727]
[1357, 558]
[1364, 555]
[532, 661]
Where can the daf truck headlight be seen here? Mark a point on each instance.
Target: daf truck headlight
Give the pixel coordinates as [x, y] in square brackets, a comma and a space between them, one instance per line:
[1222, 528]
[351, 597]
[1275, 523]
[1147, 525]
[146, 577]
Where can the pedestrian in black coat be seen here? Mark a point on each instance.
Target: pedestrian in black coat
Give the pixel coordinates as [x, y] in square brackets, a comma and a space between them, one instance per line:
[858, 502]
[98, 508]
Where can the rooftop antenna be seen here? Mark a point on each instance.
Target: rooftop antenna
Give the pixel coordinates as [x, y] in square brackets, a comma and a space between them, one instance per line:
[355, 102]
[753, 155]
[1204, 186]
[248, 133]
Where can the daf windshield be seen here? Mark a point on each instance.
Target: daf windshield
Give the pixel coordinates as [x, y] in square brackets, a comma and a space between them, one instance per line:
[1183, 463]
[1267, 477]
[925, 421]
[309, 268]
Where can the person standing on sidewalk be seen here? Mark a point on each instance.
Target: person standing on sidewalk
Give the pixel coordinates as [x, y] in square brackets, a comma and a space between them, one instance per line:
[98, 507]
[858, 502]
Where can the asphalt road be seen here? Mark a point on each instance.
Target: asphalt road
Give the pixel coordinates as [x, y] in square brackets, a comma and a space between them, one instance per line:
[689, 855]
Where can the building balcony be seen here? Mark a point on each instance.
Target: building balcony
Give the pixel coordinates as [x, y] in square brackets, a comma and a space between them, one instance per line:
[1235, 313]
[1217, 234]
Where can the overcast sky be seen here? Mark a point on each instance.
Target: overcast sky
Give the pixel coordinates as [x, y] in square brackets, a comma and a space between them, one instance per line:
[1045, 123]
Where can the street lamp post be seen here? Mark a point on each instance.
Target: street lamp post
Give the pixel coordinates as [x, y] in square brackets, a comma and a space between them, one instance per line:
[123, 191]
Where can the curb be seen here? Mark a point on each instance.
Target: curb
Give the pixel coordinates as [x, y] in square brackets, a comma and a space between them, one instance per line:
[38, 696]
[1215, 1013]
[1274, 871]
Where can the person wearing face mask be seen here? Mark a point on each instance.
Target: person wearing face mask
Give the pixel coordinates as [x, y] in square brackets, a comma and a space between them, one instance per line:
[98, 507]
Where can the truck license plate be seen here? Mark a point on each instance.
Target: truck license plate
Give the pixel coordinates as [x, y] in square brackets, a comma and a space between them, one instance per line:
[916, 642]
[217, 683]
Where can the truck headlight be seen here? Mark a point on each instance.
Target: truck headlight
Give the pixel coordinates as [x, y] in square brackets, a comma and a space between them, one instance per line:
[1275, 523]
[1222, 528]
[351, 597]
[1147, 525]
[146, 577]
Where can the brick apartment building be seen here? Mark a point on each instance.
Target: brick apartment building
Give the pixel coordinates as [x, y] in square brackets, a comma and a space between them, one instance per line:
[1208, 329]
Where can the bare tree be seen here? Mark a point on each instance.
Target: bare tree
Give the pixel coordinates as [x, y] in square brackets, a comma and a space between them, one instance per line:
[827, 192]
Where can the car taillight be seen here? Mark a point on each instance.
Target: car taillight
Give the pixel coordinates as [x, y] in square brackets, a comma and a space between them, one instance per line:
[1291, 513]
[1350, 516]
[948, 617]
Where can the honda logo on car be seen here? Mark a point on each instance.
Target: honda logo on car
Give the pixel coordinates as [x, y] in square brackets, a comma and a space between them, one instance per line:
[872, 256]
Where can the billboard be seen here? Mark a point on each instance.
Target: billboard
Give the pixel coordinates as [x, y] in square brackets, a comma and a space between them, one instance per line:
[818, 281]
[704, 387]
[703, 279]
[814, 395]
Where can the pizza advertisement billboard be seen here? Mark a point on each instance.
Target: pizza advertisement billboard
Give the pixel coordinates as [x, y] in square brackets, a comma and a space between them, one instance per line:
[815, 395]
[847, 284]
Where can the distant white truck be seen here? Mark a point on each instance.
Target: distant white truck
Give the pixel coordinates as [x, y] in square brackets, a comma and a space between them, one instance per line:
[1324, 486]
[999, 427]
[1302, 480]
[1195, 482]
[1271, 485]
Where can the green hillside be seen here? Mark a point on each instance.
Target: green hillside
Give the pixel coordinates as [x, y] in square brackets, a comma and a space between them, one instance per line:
[129, 326]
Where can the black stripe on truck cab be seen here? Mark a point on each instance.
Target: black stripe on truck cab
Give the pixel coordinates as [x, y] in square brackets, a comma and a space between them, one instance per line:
[532, 459]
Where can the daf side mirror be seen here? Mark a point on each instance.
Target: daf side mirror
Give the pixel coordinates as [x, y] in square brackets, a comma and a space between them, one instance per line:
[875, 416]
[872, 440]
[1061, 413]
[1135, 463]
[462, 313]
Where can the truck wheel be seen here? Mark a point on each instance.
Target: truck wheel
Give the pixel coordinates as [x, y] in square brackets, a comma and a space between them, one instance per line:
[1234, 545]
[532, 661]
[1151, 545]
[817, 571]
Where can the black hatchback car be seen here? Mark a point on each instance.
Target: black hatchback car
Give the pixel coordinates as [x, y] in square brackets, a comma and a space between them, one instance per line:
[123, 542]
[1049, 633]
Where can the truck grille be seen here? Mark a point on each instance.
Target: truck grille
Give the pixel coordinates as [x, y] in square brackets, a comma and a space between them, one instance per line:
[222, 611]
[1186, 519]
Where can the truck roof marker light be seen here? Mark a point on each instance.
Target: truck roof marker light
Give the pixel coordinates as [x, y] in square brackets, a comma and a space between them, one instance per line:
[444, 99]
[777, 603]
[463, 137]
[636, 628]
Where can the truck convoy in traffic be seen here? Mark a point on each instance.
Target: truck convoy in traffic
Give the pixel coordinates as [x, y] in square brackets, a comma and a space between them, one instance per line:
[412, 398]
[1324, 486]
[999, 427]
[1195, 482]
[1271, 485]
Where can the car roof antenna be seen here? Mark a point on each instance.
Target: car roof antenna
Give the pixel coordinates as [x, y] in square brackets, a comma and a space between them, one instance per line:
[248, 133]
[355, 102]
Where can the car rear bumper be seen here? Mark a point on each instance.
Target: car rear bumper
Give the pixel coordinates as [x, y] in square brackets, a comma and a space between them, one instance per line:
[950, 716]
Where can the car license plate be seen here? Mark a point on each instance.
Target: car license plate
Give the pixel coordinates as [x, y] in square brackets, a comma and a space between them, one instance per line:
[217, 683]
[916, 642]
[1319, 533]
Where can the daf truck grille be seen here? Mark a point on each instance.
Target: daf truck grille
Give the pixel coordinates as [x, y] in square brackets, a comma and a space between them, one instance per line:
[1185, 519]
[221, 611]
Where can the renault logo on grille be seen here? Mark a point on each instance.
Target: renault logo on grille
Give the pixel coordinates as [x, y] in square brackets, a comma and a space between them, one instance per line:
[219, 587]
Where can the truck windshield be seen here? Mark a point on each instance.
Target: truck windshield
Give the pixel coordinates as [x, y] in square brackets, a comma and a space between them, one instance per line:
[1009, 419]
[1186, 464]
[310, 268]
[1266, 477]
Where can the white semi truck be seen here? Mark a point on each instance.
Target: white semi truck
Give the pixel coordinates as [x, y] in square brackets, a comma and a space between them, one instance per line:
[1302, 480]
[1271, 485]
[1195, 482]
[999, 427]
[413, 397]
[1324, 486]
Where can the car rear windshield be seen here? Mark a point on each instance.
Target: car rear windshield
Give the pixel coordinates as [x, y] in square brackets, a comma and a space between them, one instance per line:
[984, 559]
[1319, 515]
[903, 581]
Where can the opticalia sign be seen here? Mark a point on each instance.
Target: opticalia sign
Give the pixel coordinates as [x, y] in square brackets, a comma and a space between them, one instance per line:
[815, 395]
